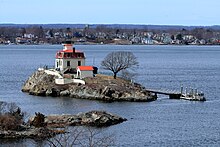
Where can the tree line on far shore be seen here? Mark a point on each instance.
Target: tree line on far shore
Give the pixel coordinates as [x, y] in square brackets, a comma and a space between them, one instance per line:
[35, 34]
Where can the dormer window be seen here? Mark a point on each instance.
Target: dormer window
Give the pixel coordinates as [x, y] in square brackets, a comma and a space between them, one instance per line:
[68, 55]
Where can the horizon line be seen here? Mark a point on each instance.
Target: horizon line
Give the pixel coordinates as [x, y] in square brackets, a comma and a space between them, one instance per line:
[108, 24]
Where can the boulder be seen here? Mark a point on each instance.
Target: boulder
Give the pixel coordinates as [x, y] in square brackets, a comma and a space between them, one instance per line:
[100, 118]
[65, 93]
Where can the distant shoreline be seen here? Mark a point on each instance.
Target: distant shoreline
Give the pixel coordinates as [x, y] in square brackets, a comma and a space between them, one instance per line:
[122, 26]
[109, 34]
[117, 44]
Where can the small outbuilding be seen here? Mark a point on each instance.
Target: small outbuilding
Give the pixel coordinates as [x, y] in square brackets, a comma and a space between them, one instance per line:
[85, 71]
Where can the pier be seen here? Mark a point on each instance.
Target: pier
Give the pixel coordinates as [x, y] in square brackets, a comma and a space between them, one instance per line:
[170, 93]
[192, 95]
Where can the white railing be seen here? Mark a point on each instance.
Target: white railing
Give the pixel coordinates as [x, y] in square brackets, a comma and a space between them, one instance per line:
[53, 72]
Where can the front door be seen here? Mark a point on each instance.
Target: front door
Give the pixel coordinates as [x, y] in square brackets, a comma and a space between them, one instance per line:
[79, 63]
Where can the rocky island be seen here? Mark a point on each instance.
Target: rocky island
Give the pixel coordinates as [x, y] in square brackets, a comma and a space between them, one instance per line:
[12, 124]
[42, 126]
[72, 78]
[101, 87]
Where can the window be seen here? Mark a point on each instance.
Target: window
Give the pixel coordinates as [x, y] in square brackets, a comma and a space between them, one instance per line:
[79, 63]
[57, 64]
[68, 55]
[68, 63]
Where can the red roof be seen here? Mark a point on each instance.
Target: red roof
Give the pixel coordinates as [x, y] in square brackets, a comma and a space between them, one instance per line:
[85, 67]
[70, 51]
[63, 54]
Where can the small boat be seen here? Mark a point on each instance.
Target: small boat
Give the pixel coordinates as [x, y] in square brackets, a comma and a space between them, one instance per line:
[197, 97]
[193, 95]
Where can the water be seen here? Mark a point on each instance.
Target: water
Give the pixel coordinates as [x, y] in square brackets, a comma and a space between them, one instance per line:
[161, 123]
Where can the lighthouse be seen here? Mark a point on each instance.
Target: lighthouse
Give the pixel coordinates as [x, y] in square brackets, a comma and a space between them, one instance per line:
[69, 57]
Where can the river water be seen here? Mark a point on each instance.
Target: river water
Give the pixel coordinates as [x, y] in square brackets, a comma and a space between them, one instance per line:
[164, 122]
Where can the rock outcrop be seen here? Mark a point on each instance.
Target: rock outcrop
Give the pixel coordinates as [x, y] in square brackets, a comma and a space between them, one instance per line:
[29, 132]
[92, 118]
[51, 122]
[101, 87]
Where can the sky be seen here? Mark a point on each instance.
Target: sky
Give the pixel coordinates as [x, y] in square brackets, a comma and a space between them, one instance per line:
[147, 12]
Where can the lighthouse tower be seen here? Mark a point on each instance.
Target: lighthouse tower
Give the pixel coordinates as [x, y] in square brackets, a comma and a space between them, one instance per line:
[69, 57]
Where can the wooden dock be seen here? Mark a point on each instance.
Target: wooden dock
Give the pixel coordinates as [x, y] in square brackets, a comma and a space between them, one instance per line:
[179, 95]
[170, 93]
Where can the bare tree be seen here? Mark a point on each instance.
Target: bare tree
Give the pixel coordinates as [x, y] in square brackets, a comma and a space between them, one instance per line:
[117, 61]
[128, 75]
[83, 137]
